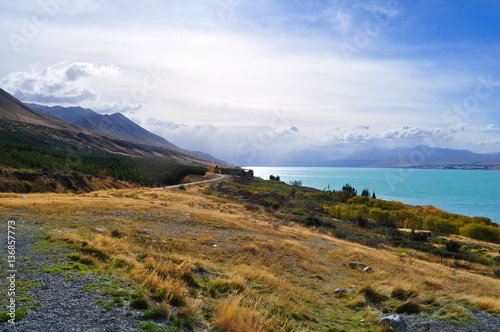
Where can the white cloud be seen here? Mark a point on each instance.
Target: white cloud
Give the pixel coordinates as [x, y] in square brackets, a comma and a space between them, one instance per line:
[63, 82]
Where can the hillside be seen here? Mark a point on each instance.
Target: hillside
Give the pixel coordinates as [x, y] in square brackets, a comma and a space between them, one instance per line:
[34, 146]
[13, 109]
[418, 157]
[116, 124]
[120, 126]
[221, 257]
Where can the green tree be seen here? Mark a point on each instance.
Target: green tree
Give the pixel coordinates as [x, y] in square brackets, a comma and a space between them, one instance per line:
[349, 189]
[381, 217]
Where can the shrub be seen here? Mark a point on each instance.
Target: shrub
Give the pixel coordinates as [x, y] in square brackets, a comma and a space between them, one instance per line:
[373, 242]
[496, 272]
[361, 221]
[420, 236]
[382, 217]
[481, 232]
[408, 308]
[372, 296]
[401, 294]
[359, 200]
[139, 303]
[153, 327]
[452, 246]
[156, 313]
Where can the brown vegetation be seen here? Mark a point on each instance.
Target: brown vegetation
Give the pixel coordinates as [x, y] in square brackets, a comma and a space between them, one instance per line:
[222, 266]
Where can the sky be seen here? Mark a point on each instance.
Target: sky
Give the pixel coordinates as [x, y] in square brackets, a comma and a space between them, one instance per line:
[266, 82]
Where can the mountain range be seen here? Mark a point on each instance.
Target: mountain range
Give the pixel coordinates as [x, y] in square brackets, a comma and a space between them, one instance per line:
[116, 124]
[420, 156]
[88, 132]
[55, 126]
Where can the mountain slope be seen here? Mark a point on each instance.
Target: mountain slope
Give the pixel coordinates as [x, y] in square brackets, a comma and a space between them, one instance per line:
[13, 109]
[20, 124]
[116, 125]
[418, 157]
[120, 126]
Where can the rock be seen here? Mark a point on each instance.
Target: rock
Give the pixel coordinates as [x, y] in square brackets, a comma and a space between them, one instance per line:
[396, 322]
[100, 229]
[367, 269]
[142, 231]
[356, 265]
[343, 291]
[23, 196]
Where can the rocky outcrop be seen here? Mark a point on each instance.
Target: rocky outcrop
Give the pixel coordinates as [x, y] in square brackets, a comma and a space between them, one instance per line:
[395, 322]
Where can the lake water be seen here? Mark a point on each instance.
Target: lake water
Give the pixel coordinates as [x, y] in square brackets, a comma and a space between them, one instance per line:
[471, 193]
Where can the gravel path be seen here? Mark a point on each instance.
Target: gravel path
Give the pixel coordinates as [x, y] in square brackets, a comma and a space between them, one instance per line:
[486, 323]
[64, 306]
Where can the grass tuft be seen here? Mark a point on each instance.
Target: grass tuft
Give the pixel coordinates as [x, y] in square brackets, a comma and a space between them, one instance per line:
[156, 313]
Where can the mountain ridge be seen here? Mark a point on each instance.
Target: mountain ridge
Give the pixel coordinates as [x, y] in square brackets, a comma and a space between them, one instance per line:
[420, 156]
[116, 124]
[21, 124]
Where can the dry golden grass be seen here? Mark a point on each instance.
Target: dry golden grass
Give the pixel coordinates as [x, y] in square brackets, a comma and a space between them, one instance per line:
[239, 313]
[182, 244]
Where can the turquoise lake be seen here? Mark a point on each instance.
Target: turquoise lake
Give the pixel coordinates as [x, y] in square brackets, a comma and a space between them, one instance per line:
[467, 192]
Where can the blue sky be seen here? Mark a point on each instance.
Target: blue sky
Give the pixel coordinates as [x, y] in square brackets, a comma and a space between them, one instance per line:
[267, 82]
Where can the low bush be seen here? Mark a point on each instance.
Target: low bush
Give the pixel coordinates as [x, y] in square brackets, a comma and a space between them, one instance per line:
[372, 295]
[401, 294]
[409, 308]
[156, 313]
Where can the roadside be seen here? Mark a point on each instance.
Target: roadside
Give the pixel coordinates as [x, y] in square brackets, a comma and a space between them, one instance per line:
[210, 179]
[50, 289]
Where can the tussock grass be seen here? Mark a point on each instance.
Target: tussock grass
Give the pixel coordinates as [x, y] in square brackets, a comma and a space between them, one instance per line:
[239, 313]
[227, 267]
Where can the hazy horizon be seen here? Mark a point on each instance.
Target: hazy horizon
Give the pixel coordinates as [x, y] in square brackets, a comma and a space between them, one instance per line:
[255, 82]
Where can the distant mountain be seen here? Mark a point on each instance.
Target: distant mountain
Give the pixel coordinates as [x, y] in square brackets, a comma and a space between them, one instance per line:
[70, 114]
[120, 126]
[206, 156]
[116, 125]
[418, 157]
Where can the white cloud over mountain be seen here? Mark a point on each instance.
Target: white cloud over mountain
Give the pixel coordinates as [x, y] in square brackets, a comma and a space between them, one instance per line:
[63, 82]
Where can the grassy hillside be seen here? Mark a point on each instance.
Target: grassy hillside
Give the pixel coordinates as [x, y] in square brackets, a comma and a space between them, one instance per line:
[37, 159]
[145, 171]
[253, 256]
